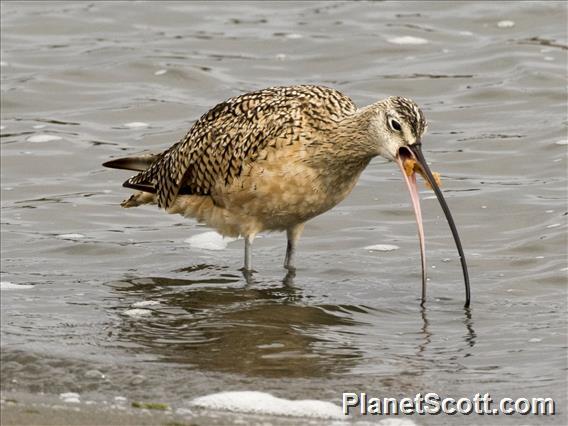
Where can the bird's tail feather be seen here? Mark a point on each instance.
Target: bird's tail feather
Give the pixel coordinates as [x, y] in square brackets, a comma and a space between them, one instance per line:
[146, 192]
[138, 164]
[138, 199]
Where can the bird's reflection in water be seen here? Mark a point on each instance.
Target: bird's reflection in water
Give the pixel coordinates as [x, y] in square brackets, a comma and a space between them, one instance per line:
[425, 332]
[469, 337]
[287, 281]
[438, 345]
[214, 322]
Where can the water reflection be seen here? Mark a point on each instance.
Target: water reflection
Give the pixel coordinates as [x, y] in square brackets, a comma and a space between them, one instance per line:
[220, 322]
[470, 335]
[425, 331]
[439, 350]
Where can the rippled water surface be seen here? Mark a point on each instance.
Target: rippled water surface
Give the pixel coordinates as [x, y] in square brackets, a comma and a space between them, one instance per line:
[109, 302]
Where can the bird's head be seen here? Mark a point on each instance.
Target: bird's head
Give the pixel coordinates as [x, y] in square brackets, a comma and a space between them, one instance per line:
[397, 126]
[397, 123]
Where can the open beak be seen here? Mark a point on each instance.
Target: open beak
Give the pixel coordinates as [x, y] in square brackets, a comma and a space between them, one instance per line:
[415, 152]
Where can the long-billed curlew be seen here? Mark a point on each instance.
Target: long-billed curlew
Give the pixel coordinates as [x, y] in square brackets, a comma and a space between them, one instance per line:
[273, 159]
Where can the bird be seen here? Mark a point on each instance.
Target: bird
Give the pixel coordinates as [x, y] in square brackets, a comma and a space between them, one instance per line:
[272, 159]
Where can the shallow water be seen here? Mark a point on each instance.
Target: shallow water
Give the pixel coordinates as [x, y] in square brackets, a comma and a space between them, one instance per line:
[118, 302]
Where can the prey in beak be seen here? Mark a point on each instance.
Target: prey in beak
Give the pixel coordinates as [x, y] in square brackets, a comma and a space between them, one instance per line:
[408, 155]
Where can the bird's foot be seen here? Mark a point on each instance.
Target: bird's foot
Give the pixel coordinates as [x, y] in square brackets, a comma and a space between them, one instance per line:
[248, 275]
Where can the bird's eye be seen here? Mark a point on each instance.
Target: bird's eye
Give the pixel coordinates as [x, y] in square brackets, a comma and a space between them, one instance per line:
[395, 125]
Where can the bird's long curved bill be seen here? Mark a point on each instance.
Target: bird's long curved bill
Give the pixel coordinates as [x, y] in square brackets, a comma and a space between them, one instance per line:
[414, 151]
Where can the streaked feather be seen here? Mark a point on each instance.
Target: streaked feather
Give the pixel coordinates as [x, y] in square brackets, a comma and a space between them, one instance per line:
[234, 132]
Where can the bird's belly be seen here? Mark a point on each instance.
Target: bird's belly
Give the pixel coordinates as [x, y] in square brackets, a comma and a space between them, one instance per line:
[279, 196]
[272, 194]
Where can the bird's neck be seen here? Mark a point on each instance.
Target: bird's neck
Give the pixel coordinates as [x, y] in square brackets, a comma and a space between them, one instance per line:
[347, 144]
[343, 151]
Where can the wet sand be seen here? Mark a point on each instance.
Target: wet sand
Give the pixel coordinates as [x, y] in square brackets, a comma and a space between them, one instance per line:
[34, 410]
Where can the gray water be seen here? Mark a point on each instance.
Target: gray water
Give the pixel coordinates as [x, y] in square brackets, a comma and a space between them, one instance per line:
[350, 320]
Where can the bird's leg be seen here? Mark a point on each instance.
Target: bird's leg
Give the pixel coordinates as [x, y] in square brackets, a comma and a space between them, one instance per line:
[290, 252]
[293, 235]
[248, 252]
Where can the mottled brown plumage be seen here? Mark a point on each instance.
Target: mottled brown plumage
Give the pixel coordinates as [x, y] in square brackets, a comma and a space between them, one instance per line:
[234, 132]
[272, 159]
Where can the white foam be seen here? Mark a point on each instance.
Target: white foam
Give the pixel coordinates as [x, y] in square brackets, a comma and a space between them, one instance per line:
[39, 126]
[264, 403]
[43, 138]
[136, 125]
[160, 72]
[70, 236]
[2, 127]
[535, 340]
[554, 225]
[562, 142]
[209, 241]
[145, 303]
[506, 24]
[7, 285]
[407, 40]
[70, 397]
[382, 247]
[94, 374]
[137, 313]
[294, 36]
[3, 64]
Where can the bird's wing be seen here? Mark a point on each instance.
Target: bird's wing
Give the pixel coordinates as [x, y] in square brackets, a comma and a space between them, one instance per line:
[234, 132]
